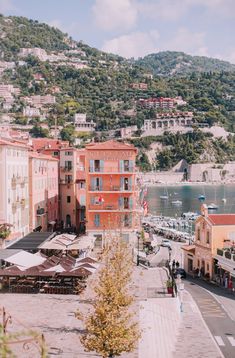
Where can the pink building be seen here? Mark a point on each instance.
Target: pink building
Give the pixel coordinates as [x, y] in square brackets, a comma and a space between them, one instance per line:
[43, 192]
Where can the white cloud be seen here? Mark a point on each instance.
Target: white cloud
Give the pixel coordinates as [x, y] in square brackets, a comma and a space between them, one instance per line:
[6, 5]
[135, 44]
[115, 14]
[163, 9]
[187, 41]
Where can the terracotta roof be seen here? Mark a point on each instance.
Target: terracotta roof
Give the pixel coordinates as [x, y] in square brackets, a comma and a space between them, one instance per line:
[13, 143]
[45, 143]
[41, 156]
[222, 219]
[110, 145]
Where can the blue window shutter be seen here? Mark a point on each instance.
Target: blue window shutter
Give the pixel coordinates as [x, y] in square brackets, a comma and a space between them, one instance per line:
[101, 183]
[92, 166]
[92, 200]
[82, 200]
[122, 183]
[131, 203]
[131, 165]
[121, 166]
[130, 219]
[92, 183]
[101, 166]
[130, 184]
[97, 220]
[120, 202]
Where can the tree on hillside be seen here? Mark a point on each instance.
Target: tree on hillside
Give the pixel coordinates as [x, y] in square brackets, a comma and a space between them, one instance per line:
[39, 132]
[110, 328]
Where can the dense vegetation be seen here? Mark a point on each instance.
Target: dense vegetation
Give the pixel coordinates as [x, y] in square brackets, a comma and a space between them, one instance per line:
[103, 90]
[168, 63]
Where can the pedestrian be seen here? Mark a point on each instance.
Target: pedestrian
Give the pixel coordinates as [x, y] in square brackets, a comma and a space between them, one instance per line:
[173, 263]
[199, 273]
[177, 264]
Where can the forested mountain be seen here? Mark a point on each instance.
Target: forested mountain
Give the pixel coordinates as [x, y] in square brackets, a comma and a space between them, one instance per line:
[86, 80]
[171, 63]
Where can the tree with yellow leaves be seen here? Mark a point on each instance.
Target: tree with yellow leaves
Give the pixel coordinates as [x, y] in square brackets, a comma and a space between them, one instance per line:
[110, 328]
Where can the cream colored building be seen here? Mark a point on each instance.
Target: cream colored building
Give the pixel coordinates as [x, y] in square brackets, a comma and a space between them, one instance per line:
[14, 187]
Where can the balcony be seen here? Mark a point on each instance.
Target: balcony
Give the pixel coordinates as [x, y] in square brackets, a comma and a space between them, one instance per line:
[111, 189]
[40, 211]
[228, 254]
[108, 208]
[66, 168]
[111, 170]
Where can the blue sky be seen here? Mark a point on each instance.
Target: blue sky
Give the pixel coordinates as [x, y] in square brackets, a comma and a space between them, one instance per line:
[134, 28]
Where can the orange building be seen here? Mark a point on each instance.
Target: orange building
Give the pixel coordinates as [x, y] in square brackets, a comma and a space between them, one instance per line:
[72, 188]
[112, 194]
[212, 232]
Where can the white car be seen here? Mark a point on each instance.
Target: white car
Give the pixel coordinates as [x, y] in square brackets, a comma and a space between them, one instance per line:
[166, 243]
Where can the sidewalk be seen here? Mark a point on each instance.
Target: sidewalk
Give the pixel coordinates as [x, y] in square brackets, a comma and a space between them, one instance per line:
[167, 332]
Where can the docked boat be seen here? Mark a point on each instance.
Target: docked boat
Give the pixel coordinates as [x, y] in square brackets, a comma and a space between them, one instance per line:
[212, 206]
[165, 196]
[190, 215]
[176, 202]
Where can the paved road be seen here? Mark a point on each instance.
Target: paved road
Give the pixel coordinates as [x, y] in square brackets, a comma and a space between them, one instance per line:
[221, 326]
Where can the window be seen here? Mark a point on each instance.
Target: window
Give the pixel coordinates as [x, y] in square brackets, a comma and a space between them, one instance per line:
[126, 203]
[126, 184]
[126, 220]
[198, 234]
[68, 153]
[56, 154]
[208, 267]
[68, 179]
[126, 165]
[97, 165]
[208, 237]
[68, 199]
[68, 165]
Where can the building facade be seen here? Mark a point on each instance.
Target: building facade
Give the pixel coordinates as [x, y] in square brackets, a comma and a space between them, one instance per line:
[14, 182]
[112, 194]
[43, 192]
[168, 121]
[212, 232]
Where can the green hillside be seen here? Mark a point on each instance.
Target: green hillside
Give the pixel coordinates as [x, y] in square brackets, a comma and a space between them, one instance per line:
[171, 63]
[102, 86]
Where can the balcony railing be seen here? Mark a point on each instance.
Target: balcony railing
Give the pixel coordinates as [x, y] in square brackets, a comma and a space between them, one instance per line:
[112, 188]
[111, 170]
[66, 168]
[103, 207]
[228, 254]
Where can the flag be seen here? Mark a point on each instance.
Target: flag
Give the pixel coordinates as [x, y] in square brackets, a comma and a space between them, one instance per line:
[101, 200]
[145, 207]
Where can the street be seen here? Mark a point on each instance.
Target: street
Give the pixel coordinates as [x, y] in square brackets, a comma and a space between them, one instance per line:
[217, 306]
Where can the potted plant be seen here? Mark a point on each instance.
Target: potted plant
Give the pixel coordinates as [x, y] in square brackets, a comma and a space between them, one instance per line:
[169, 285]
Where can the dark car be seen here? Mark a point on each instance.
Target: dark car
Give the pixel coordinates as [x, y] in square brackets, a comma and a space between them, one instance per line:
[181, 272]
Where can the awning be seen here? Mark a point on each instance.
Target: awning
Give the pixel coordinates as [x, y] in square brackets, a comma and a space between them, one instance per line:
[25, 260]
[59, 242]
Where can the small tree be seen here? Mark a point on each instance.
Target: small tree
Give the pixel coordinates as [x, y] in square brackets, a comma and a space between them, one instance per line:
[110, 328]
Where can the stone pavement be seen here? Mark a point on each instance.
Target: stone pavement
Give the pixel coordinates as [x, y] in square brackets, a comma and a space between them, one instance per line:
[166, 331]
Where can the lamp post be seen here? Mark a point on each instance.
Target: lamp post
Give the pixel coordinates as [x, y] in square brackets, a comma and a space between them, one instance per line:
[138, 250]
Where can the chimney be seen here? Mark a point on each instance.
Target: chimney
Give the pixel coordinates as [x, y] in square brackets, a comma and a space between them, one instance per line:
[204, 210]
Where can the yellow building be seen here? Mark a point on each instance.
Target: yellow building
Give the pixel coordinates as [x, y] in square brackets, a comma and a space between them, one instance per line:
[212, 232]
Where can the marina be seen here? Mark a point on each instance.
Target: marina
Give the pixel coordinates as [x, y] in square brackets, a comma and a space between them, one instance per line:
[221, 199]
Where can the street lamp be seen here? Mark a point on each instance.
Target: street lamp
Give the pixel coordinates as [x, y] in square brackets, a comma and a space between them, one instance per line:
[138, 250]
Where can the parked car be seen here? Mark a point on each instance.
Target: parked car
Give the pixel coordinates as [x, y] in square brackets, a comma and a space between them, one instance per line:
[181, 272]
[166, 243]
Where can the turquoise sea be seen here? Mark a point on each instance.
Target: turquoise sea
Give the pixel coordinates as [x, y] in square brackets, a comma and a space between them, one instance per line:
[189, 194]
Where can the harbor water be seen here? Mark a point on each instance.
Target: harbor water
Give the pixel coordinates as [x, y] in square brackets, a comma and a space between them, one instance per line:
[221, 195]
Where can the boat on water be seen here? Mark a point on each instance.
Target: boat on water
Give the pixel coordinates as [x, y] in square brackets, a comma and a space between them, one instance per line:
[212, 206]
[176, 202]
[165, 196]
